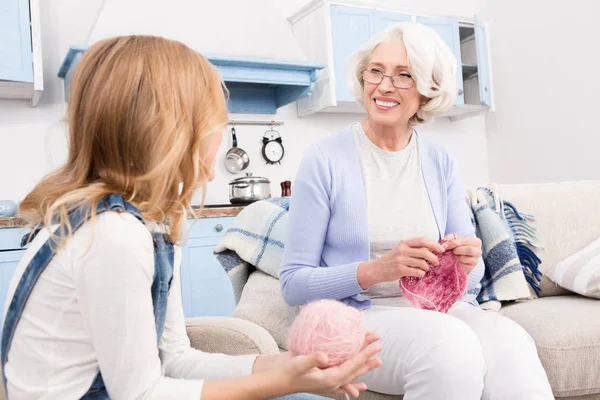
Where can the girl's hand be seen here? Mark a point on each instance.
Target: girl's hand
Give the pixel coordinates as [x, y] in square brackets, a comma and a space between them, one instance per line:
[466, 249]
[309, 373]
[268, 362]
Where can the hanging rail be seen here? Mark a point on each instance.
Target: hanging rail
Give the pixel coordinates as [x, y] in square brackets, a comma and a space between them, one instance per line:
[265, 123]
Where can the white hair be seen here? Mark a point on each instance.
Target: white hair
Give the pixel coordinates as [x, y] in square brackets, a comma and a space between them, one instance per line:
[430, 62]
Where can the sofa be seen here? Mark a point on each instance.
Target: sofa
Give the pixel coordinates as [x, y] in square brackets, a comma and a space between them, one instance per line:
[564, 325]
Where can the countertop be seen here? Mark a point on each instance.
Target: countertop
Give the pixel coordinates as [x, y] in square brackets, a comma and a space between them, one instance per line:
[208, 211]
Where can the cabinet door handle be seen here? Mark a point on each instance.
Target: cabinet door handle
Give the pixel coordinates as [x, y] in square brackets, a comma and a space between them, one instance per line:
[460, 92]
[218, 227]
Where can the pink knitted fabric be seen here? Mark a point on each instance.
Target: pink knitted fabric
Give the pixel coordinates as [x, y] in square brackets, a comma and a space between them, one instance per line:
[441, 286]
[328, 326]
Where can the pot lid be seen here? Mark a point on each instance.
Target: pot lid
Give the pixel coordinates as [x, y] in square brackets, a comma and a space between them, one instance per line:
[249, 178]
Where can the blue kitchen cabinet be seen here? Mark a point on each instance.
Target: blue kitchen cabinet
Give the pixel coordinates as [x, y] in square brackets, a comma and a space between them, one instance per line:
[331, 31]
[255, 86]
[483, 69]
[16, 59]
[448, 30]
[21, 75]
[352, 27]
[10, 255]
[8, 264]
[205, 287]
[383, 19]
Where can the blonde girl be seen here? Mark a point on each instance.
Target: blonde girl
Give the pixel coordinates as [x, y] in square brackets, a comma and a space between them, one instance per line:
[94, 309]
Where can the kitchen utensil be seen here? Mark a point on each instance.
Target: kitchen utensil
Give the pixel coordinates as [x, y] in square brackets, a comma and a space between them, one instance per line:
[236, 159]
[8, 208]
[286, 188]
[248, 189]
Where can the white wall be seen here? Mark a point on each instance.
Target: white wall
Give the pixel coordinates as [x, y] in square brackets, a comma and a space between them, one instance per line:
[25, 132]
[233, 27]
[546, 61]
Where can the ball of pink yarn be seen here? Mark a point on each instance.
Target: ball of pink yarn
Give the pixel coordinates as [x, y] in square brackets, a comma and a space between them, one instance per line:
[327, 326]
[440, 288]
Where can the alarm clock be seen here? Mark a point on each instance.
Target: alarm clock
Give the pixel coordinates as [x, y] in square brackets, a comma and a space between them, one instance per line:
[272, 149]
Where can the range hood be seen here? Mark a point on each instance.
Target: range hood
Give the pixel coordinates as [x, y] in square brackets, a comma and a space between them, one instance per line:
[256, 86]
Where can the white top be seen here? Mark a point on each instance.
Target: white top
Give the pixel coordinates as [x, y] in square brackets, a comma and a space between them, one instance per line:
[92, 308]
[398, 205]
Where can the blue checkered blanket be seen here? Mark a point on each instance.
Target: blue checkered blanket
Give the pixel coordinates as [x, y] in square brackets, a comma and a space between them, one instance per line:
[509, 243]
[255, 240]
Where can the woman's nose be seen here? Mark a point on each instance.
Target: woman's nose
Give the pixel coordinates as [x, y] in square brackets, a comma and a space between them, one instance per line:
[386, 85]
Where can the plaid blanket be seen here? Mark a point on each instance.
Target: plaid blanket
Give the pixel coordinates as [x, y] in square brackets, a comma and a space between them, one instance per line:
[255, 240]
[257, 236]
[508, 244]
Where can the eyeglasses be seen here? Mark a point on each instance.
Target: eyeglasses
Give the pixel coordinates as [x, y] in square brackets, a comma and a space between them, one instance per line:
[400, 81]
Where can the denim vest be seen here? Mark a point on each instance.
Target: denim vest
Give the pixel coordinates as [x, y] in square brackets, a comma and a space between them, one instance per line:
[163, 274]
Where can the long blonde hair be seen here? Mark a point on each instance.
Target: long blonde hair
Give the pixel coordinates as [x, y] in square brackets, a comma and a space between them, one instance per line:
[141, 109]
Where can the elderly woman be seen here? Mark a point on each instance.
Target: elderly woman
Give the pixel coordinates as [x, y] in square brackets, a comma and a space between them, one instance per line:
[370, 206]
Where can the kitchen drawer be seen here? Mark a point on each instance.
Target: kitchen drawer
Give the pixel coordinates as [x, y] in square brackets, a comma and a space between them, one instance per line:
[10, 238]
[208, 227]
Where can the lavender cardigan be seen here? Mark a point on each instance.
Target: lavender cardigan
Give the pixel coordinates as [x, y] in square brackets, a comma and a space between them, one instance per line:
[328, 233]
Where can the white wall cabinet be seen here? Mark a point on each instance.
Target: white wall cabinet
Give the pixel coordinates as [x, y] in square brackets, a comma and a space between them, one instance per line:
[330, 32]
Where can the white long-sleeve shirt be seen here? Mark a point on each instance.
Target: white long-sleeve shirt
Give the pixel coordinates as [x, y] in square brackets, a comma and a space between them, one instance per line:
[92, 308]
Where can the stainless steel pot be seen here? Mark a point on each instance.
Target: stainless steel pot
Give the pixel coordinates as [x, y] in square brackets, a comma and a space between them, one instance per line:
[248, 189]
[236, 159]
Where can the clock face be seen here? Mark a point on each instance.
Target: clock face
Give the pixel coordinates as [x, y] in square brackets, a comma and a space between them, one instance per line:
[273, 151]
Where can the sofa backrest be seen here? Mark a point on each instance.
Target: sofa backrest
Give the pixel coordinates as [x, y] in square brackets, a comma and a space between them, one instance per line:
[567, 218]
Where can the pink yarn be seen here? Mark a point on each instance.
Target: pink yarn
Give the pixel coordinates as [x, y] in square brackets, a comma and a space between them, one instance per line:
[328, 326]
[441, 286]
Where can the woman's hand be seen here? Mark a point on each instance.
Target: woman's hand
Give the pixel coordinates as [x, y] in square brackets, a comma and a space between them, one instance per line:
[309, 373]
[466, 249]
[408, 258]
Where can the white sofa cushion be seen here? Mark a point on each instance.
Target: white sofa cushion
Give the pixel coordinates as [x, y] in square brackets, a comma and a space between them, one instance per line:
[580, 273]
[262, 303]
[567, 218]
[566, 331]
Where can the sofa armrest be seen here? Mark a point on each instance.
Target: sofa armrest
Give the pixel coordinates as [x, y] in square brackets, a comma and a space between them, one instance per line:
[231, 336]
